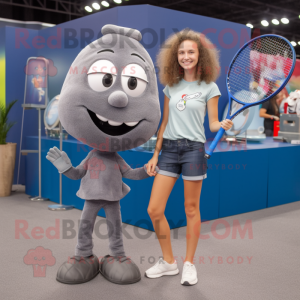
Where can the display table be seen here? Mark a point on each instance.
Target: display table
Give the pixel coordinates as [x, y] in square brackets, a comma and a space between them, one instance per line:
[240, 179]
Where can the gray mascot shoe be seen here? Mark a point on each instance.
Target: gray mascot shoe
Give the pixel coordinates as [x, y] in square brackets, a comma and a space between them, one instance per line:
[78, 270]
[120, 270]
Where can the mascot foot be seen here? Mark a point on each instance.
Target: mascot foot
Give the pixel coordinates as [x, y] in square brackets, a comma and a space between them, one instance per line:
[119, 269]
[78, 269]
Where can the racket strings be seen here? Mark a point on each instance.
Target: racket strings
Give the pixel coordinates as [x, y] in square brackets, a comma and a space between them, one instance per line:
[259, 69]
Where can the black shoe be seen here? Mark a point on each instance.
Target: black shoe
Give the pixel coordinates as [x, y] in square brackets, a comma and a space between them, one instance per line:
[78, 269]
[119, 269]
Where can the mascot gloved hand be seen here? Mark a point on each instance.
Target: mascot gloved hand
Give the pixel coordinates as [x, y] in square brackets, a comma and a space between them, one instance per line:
[60, 159]
[109, 101]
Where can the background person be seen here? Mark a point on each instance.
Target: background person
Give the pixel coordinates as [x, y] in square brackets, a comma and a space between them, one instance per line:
[270, 111]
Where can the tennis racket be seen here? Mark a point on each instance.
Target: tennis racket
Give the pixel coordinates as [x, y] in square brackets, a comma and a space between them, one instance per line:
[258, 72]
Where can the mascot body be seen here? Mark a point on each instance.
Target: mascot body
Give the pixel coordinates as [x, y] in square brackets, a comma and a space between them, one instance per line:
[112, 106]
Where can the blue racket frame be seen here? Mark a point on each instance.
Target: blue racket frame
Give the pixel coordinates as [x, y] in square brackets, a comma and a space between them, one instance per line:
[245, 106]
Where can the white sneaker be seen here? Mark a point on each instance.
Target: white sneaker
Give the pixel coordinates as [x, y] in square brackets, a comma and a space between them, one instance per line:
[162, 268]
[189, 274]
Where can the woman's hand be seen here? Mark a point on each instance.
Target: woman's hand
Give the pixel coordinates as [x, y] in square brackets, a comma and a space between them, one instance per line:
[151, 166]
[275, 118]
[226, 124]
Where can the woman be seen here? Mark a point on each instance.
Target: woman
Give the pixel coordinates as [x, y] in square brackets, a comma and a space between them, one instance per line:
[282, 98]
[270, 111]
[189, 65]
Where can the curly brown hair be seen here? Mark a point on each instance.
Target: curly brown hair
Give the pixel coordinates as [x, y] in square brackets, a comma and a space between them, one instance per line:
[169, 70]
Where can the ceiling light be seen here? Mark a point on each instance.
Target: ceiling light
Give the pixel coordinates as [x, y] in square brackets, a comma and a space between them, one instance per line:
[285, 21]
[88, 9]
[293, 43]
[249, 25]
[264, 23]
[299, 43]
[96, 5]
[118, 1]
[105, 3]
[275, 22]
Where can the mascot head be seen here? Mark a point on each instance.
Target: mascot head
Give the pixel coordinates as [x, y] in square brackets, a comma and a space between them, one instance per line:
[110, 100]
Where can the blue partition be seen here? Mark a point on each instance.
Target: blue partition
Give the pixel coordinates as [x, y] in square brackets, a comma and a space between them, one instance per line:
[284, 176]
[243, 182]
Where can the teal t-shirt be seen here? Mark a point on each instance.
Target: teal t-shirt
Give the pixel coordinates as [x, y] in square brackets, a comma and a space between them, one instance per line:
[187, 109]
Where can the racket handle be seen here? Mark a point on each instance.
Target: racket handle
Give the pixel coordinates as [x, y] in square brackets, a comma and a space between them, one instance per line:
[214, 143]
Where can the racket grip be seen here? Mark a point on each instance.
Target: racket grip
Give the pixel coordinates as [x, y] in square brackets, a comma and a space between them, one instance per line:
[214, 143]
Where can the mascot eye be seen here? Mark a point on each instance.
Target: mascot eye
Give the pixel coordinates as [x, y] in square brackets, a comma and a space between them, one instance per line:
[100, 82]
[107, 80]
[134, 80]
[133, 86]
[132, 83]
[102, 75]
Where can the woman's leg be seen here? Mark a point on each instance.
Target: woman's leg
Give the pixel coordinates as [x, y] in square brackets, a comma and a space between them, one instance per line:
[268, 132]
[192, 191]
[162, 187]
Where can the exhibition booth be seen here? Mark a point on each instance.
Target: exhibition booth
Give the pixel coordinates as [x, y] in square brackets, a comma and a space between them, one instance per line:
[242, 176]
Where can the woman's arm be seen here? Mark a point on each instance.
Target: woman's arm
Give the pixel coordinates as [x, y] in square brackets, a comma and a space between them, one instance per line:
[212, 110]
[263, 114]
[151, 166]
[214, 124]
[162, 128]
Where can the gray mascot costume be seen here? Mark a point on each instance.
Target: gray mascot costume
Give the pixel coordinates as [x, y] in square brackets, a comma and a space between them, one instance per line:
[111, 106]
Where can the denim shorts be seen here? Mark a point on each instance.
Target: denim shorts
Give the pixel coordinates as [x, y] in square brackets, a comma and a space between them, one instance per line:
[183, 156]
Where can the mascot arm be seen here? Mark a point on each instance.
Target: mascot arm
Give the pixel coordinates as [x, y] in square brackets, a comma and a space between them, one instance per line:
[75, 173]
[128, 172]
[63, 164]
[80, 171]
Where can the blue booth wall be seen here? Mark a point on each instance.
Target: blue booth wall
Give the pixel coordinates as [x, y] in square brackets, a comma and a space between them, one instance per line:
[241, 178]
[155, 24]
[15, 59]
[2, 66]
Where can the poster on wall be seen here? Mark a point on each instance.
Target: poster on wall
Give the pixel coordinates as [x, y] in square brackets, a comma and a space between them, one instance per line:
[36, 82]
